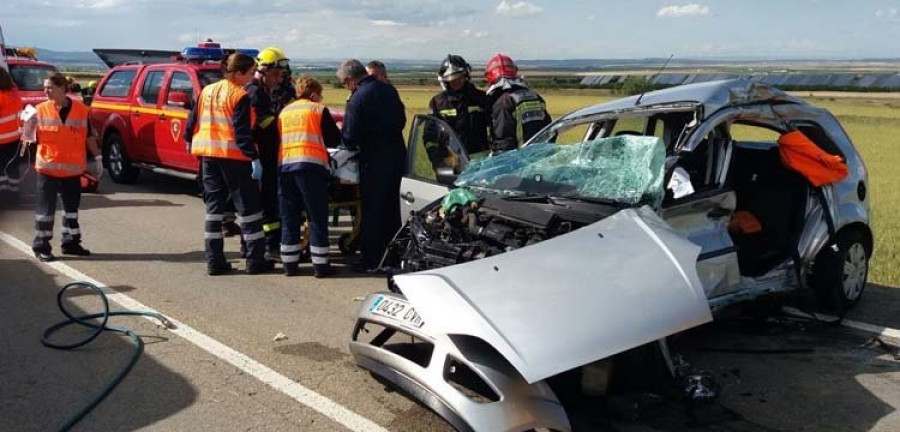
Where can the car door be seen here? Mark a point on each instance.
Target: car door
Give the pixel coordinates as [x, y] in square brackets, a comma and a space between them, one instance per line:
[703, 215]
[435, 156]
[177, 97]
[144, 114]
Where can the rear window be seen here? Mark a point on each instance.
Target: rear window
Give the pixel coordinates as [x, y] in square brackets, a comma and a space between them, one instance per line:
[30, 77]
[118, 84]
[208, 77]
[152, 86]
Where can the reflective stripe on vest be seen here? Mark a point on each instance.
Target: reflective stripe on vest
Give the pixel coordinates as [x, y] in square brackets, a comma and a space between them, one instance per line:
[300, 125]
[529, 107]
[214, 132]
[61, 146]
[10, 105]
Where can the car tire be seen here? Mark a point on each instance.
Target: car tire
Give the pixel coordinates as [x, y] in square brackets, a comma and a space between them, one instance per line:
[841, 271]
[116, 161]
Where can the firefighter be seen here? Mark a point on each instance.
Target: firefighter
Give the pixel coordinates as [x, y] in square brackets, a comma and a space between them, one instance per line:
[517, 112]
[462, 106]
[10, 105]
[306, 129]
[269, 74]
[219, 131]
[62, 135]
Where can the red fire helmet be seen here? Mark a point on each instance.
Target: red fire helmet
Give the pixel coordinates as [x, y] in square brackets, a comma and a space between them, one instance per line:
[500, 66]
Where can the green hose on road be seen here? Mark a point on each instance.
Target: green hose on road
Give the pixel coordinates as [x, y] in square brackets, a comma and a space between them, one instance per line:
[98, 328]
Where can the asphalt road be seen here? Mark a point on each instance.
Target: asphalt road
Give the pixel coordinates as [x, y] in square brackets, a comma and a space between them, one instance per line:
[147, 241]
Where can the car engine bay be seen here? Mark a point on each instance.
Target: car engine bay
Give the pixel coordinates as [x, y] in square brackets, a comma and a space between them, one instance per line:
[437, 237]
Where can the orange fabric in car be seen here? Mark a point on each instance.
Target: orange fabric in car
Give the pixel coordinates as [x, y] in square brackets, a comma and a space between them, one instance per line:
[743, 223]
[800, 154]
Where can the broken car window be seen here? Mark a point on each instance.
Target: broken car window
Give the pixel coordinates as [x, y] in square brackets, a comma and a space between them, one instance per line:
[626, 169]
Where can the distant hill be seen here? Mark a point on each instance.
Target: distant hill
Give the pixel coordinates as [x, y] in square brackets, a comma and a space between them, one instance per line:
[71, 60]
[88, 61]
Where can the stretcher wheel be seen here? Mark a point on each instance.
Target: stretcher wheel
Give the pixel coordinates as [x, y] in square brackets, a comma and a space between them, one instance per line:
[346, 246]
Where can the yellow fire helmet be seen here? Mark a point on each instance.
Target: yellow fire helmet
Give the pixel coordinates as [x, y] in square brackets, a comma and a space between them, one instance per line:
[271, 57]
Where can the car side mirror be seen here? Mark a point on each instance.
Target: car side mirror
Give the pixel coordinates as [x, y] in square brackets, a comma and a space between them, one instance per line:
[179, 99]
[445, 175]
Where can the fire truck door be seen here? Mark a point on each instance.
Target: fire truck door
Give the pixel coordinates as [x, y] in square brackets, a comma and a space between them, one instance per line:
[144, 116]
[176, 106]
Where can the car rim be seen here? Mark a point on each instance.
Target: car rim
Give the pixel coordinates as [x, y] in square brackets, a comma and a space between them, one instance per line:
[855, 267]
[115, 157]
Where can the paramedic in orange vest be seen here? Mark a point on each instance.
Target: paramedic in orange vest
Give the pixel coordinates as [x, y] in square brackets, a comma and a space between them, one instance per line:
[219, 132]
[63, 135]
[10, 105]
[306, 129]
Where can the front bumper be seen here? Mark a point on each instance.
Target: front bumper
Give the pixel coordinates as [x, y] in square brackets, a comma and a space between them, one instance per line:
[501, 400]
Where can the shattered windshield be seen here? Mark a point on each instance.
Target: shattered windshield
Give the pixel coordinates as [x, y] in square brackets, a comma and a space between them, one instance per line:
[625, 169]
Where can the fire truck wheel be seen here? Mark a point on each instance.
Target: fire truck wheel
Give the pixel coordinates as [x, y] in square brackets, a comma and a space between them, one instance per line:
[116, 161]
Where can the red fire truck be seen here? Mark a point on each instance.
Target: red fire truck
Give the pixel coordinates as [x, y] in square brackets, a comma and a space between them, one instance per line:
[142, 104]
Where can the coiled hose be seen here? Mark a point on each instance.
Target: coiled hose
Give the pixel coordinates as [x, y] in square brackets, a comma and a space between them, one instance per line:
[98, 328]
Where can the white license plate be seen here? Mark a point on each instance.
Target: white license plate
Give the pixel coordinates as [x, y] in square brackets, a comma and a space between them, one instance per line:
[397, 309]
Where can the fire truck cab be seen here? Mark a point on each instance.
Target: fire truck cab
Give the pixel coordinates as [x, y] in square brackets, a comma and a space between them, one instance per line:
[141, 106]
[29, 73]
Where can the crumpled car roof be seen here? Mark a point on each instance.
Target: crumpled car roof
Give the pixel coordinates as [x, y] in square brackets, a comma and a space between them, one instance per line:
[713, 96]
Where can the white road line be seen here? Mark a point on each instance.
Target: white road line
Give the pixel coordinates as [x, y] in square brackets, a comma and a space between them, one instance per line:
[283, 384]
[858, 325]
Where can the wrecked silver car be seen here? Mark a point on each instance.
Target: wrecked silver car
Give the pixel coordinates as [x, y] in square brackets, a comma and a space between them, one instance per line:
[616, 226]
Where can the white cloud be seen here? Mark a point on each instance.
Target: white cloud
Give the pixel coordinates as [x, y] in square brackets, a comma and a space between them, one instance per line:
[97, 4]
[890, 15]
[518, 9]
[683, 11]
[468, 33]
[386, 23]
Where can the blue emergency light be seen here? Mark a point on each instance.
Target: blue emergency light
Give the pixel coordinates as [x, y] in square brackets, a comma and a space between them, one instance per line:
[203, 54]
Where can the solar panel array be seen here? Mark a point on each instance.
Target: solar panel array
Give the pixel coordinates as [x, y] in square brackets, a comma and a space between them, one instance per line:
[870, 81]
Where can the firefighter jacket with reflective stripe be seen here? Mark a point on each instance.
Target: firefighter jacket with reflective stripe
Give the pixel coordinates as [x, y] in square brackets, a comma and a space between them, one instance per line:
[10, 105]
[518, 114]
[300, 125]
[62, 147]
[467, 112]
[214, 130]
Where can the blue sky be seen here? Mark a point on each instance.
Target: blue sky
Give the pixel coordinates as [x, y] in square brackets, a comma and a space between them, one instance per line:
[426, 29]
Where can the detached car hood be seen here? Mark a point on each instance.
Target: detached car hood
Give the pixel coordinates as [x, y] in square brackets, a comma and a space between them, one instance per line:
[568, 301]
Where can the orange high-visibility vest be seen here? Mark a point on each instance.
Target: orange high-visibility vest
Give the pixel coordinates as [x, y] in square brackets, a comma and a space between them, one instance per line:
[214, 131]
[10, 105]
[61, 150]
[300, 125]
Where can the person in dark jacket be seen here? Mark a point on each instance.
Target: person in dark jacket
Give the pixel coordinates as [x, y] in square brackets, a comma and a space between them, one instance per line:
[464, 107]
[261, 91]
[373, 123]
[518, 113]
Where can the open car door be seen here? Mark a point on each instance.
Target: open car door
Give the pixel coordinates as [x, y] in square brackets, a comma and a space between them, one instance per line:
[435, 157]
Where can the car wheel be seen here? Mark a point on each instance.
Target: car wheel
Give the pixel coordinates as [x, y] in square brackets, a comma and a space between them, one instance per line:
[841, 271]
[120, 168]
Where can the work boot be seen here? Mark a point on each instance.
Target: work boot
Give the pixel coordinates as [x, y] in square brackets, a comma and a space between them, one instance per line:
[273, 253]
[291, 270]
[322, 270]
[216, 269]
[264, 266]
[75, 249]
[44, 256]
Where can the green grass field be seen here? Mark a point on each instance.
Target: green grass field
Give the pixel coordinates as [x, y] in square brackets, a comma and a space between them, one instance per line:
[873, 125]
